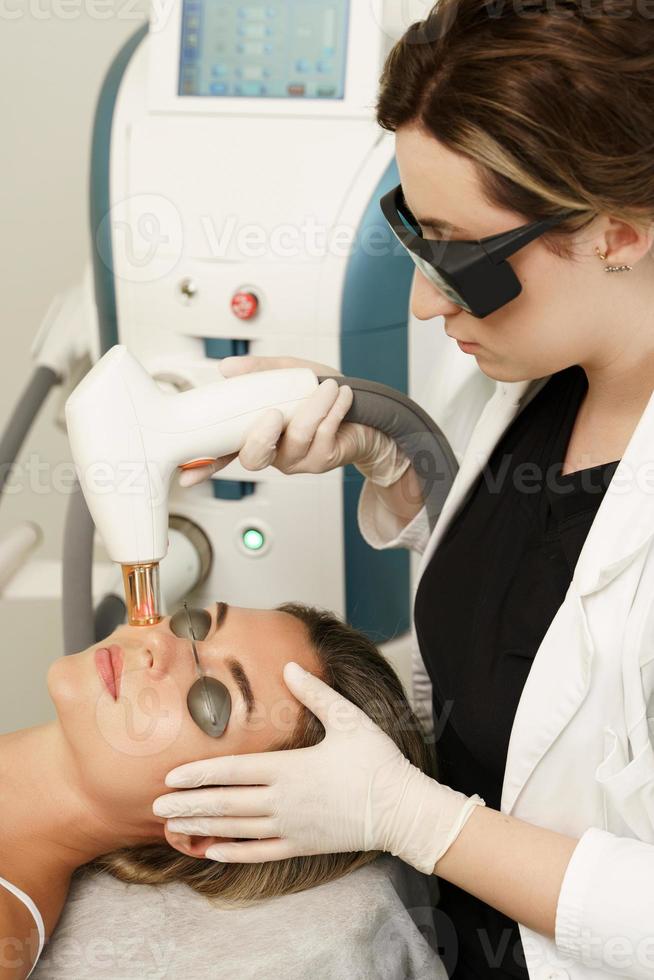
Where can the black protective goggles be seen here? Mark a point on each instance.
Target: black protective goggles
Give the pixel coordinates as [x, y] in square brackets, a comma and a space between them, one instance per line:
[209, 701]
[472, 274]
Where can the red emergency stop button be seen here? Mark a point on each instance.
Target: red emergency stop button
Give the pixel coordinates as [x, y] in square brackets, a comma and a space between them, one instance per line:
[244, 305]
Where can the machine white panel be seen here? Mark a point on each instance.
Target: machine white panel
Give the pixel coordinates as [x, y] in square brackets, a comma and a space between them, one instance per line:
[305, 559]
[247, 190]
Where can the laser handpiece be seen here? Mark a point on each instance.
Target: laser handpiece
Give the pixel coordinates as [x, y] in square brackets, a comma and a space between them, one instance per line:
[128, 436]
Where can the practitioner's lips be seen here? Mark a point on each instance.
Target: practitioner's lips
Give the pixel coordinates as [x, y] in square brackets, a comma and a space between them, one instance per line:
[109, 664]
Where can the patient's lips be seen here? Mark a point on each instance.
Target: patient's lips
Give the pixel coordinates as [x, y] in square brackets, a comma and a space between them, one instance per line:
[109, 664]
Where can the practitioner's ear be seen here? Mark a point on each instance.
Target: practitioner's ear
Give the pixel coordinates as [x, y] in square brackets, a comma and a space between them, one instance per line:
[192, 846]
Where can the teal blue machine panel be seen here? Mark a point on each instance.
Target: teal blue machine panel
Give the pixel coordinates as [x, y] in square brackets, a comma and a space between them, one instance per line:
[374, 345]
[100, 193]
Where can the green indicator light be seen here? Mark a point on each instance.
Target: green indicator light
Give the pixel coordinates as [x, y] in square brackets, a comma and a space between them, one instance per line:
[253, 539]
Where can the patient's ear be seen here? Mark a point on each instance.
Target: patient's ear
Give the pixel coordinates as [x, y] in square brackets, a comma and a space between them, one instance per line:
[191, 846]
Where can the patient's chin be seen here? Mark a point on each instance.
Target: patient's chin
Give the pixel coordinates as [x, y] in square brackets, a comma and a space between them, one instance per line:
[192, 846]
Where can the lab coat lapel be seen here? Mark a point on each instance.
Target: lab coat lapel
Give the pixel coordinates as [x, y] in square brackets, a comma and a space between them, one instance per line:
[556, 686]
[560, 675]
[625, 519]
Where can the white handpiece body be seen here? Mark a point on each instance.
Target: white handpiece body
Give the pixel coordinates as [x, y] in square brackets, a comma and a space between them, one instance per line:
[128, 437]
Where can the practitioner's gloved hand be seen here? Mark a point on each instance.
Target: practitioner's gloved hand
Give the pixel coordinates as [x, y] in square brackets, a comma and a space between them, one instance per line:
[354, 791]
[316, 440]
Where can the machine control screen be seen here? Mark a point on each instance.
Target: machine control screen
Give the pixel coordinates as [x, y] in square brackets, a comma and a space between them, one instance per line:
[283, 49]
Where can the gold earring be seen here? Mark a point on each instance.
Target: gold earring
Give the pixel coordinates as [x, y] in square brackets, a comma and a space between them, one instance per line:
[613, 268]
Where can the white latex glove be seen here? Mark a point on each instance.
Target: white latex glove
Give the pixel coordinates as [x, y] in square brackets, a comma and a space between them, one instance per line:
[354, 791]
[316, 440]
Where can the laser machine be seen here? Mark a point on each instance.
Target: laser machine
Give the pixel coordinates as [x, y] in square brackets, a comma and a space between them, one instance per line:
[235, 176]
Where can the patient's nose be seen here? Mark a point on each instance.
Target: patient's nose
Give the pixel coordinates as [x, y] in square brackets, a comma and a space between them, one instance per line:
[164, 649]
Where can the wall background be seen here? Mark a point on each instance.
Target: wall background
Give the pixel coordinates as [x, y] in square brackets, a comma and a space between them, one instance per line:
[53, 57]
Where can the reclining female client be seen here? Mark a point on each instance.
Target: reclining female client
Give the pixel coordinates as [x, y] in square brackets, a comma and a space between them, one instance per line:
[78, 791]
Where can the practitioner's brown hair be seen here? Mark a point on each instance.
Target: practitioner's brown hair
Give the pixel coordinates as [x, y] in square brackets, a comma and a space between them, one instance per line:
[551, 99]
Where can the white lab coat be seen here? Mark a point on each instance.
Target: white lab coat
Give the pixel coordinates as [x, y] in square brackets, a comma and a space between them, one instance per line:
[581, 756]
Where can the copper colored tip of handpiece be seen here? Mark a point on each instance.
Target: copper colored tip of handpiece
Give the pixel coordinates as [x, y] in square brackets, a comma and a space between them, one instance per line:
[142, 595]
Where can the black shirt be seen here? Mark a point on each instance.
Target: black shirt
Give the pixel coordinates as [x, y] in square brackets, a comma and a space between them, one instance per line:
[484, 603]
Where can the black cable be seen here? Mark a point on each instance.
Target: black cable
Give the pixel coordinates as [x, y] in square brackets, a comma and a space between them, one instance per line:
[110, 613]
[415, 432]
[77, 575]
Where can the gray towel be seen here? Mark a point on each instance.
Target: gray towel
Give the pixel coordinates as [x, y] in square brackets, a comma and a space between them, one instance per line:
[373, 924]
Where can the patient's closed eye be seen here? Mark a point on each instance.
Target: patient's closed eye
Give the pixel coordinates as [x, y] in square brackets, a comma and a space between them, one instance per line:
[209, 700]
[191, 624]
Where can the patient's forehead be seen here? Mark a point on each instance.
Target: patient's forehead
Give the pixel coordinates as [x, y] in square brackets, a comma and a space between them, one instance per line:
[274, 635]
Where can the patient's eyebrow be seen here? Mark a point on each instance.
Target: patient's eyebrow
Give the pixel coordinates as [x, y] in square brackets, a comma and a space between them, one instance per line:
[221, 613]
[235, 666]
[243, 681]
